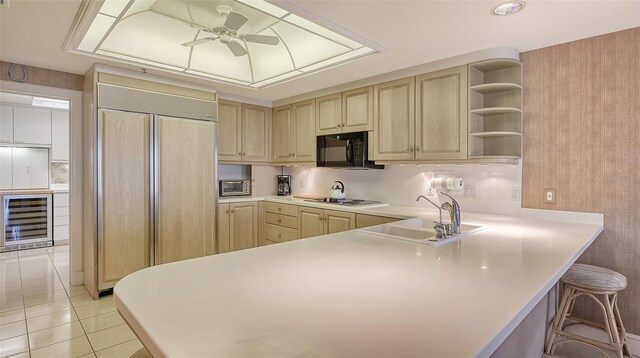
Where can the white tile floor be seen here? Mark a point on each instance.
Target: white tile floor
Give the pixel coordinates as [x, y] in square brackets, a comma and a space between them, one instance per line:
[41, 315]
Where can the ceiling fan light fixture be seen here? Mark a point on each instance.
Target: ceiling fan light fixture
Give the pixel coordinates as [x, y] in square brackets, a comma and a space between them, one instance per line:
[507, 8]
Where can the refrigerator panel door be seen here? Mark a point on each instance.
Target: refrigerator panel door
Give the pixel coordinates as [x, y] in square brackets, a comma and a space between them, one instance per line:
[185, 189]
[124, 195]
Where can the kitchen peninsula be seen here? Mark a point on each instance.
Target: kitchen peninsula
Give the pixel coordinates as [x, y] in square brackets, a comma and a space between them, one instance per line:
[356, 294]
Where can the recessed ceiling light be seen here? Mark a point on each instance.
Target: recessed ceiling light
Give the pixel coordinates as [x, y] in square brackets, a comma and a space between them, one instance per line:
[507, 8]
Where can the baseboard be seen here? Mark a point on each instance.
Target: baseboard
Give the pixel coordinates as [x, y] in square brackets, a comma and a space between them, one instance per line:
[593, 333]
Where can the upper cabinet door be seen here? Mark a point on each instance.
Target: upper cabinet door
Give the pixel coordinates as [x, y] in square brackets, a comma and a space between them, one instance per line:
[60, 135]
[304, 125]
[6, 168]
[229, 131]
[357, 110]
[39, 169]
[282, 134]
[394, 120]
[441, 114]
[255, 136]
[6, 124]
[329, 114]
[31, 125]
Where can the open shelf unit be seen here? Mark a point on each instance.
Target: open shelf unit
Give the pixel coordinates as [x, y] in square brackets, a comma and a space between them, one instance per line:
[495, 109]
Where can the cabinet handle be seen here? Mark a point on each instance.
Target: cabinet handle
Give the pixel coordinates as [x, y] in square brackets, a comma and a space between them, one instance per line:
[233, 210]
[417, 149]
[279, 209]
[293, 154]
[279, 236]
[410, 150]
[337, 125]
[279, 220]
[243, 153]
[239, 153]
[227, 211]
[342, 125]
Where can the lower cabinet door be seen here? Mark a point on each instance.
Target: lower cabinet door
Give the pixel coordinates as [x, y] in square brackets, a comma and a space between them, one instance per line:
[243, 225]
[223, 244]
[337, 221]
[311, 222]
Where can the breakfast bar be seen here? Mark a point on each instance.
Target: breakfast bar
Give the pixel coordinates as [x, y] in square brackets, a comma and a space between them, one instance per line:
[358, 294]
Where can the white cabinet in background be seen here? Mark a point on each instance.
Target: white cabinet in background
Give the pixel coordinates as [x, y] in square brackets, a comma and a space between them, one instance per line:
[31, 125]
[6, 124]
[6, 168]
[59, 135]
[30, 168]
[60, 217]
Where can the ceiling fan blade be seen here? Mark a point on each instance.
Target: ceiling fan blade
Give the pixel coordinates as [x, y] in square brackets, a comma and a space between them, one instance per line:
[199, 41]
[234, 21]
[261, 39]
[236, 48]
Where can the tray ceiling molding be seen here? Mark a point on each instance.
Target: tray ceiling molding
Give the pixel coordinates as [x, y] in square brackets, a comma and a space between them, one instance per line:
[156, 34]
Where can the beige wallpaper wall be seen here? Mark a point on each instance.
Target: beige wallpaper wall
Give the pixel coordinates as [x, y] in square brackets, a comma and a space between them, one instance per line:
[582, 137]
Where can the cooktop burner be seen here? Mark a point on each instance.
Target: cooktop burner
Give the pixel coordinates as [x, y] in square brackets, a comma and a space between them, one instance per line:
[346, 202]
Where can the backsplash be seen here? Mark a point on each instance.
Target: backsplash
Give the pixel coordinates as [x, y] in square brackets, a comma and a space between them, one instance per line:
[400, 185]
[59, 173]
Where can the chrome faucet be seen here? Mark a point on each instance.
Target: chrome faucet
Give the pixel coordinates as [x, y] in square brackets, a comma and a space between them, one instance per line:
[454, 213]
[439, 227]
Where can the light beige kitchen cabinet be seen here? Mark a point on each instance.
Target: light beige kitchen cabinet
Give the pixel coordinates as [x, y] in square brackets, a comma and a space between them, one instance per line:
[281, 223]
[363, 220]
[6, 124]
[59, 135]
[329, 114]
[255, 133]
[316, 222]
[238, 226]
[357, 110]
[346, 112]
[229, 131]
[441, 115]
[394, 120]
[31, 125]
[282, 134]
[435, 131]
[311, 222]
[244, 132]
[294, 135]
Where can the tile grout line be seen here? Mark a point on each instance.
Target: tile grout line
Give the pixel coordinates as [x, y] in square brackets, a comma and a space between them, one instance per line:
[24, 307]
[67, 291]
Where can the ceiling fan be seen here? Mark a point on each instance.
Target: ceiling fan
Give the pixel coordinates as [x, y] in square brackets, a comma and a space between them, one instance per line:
[228, 32]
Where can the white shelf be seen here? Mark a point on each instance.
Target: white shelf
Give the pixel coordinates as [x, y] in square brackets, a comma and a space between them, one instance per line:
[495, 134]
[487, 88]
[495, 110]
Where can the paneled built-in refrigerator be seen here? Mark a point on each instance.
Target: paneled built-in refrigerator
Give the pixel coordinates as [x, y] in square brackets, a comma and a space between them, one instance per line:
[155, 182]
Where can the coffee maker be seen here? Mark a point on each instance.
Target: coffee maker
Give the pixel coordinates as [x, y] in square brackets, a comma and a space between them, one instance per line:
[284, 185]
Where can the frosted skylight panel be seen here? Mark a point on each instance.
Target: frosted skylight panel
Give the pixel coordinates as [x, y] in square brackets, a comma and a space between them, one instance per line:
[113, 7]
[249, 42]
[215, 58]
[150, 36]
[101, 24]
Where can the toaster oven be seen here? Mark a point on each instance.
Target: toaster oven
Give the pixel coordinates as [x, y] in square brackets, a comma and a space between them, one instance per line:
[235, 187]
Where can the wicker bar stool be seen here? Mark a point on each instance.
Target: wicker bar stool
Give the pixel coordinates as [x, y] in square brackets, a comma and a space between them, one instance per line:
[590, 281]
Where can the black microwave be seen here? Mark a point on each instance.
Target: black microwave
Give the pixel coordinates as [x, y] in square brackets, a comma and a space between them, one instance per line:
[348, 150]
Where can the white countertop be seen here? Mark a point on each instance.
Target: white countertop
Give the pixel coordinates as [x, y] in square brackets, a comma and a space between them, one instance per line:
[355, 294]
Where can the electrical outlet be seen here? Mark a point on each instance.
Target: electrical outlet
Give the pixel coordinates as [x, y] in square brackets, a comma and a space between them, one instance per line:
[431, 191]
[470, 191]
[550, 196]
[515, 193]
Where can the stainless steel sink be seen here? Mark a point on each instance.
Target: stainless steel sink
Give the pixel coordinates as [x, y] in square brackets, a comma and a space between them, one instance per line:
[420, 231]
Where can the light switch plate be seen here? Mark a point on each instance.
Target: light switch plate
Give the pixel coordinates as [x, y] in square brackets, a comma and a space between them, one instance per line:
[470, 191]
[549, 196]
[515, 193]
